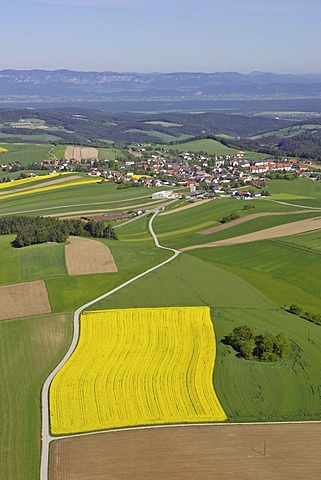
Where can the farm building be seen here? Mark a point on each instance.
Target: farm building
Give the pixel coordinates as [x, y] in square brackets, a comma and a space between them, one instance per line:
[163, 194]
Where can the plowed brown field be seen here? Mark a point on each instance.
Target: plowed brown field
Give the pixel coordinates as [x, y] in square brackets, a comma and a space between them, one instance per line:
[242, 452]
[24, 299]
[84, 256]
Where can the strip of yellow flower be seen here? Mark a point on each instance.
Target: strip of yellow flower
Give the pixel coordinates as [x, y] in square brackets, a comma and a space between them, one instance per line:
[73, 183]
[23, 181]
[138, 367]
[3, 150]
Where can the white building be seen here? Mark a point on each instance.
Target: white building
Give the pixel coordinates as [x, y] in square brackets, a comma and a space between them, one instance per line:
[162, 194]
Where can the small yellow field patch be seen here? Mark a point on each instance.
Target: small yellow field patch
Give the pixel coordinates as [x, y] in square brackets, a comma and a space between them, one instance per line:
[137, 367]
[3, 150]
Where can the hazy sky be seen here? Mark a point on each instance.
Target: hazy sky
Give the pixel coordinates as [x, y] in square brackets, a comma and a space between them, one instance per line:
[161, 35]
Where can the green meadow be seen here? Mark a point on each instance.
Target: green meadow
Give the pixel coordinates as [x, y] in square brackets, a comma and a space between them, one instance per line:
[211, 147]
[25, 153]
[29, 350]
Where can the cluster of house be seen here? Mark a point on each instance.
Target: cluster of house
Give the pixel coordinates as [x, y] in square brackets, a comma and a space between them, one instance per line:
[214, 173]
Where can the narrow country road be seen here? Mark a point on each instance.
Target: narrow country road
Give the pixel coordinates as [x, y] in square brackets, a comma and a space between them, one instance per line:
[45, 431]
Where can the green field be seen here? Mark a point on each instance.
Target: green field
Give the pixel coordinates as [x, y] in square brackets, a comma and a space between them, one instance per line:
[310, 240]
[293, 191]
[286, 274]
[29, 349]
[78, 198]
[181, 229]
[46, 260]
[211, 147]
[24, 153]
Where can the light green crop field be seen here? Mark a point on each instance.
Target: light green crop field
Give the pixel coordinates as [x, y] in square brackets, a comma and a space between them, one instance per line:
[211, 147]
[163, 123]
[37, 137]
[112, 154]
[285, 273]
[163, 137]
[42, 260]
[25, 153]
[310, 240]
[9, 261]
[248, 391]
[181, 229]
[302, 187]
[29, 350]
[67, 199]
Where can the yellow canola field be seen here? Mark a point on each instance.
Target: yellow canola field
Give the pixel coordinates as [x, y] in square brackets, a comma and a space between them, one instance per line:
[23, 181]
[3, 150]
[72, 183]
[137, 367]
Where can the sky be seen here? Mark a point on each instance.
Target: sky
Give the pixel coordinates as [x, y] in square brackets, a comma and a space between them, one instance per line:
[281, 36]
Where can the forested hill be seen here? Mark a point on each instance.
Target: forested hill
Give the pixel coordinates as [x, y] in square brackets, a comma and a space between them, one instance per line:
[92, 126]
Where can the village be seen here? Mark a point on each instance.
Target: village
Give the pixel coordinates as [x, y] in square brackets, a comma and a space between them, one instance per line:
[207, 176]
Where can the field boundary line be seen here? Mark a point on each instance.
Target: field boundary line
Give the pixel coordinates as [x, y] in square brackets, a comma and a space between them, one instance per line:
[46, 437]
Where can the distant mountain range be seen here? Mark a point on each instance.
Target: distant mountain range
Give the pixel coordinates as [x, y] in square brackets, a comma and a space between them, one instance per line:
[66, 85]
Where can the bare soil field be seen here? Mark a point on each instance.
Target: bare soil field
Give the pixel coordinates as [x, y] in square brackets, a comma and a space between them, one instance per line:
[24, 299]
[222, 452]
[78, 153]
[84, 256]
[89, 153]
[293, 228]
[42, 184]
[69, 153]
[248, 218]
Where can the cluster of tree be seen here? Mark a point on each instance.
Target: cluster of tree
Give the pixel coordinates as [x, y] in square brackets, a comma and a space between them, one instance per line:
[33, 230]
[311, 316]
[263, 347]
[230, 217]
[124, 185]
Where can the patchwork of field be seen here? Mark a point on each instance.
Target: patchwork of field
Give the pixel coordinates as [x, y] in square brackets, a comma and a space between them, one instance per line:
[285, 452]
[24, 299]
[81, 153]
[248, 218]
[85, 256]
[75, 196]
[44, 183]
[269, 233]
[137, 367]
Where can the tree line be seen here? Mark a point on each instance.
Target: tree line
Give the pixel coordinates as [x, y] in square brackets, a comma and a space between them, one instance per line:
[34, 230]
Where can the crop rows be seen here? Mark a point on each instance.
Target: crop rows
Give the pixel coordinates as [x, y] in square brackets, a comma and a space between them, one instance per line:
[138, 367]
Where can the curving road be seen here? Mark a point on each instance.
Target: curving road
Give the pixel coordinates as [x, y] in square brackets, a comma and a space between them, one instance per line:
[45, 431]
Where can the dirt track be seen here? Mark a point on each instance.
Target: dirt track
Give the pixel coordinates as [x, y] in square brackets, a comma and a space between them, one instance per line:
[293, 228]
[24, 299]
[84, 256]
[229, 452]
